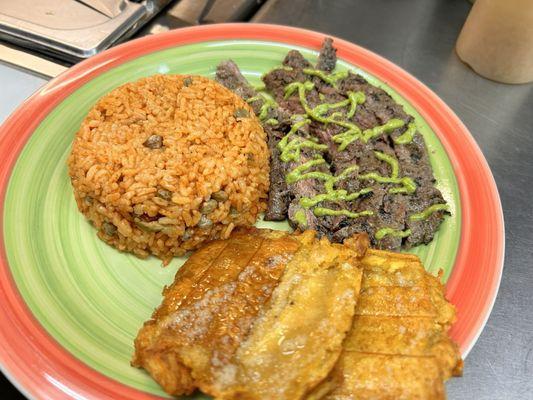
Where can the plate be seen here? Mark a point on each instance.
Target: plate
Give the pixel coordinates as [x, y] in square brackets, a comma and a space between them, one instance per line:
[72, 305]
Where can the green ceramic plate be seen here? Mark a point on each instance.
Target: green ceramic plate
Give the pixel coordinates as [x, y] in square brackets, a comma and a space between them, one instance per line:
[91, 298]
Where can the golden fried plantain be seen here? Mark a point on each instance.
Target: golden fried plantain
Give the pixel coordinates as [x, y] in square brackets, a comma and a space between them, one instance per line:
[297, 339]
[398, 347]
[261, 315]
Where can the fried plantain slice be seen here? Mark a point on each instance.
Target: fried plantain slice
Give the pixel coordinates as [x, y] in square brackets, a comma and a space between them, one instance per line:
[398, 347]
[261, 303]
[208, 310]
[296, 341]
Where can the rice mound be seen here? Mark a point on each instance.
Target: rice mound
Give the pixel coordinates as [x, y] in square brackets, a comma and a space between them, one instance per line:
[164, 164]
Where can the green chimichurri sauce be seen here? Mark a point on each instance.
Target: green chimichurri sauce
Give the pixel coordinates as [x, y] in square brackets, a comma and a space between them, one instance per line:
[299, 216]
[337, 195]
[332, 78]
[339, 113]
[428, 211]
[391, 125]
[407, 136]
[290, 149]
[321, 212]
[408, 186]
[268, 104]
[380, 234]
[298, 173]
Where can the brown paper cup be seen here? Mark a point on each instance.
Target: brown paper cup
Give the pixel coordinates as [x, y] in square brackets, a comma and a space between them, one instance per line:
[497, 40]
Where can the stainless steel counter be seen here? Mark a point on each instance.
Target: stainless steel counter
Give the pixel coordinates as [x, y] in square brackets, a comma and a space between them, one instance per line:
[16, 86]
[419, 35]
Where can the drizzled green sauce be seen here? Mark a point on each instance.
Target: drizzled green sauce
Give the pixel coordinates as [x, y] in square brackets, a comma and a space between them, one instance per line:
[343, 139]
[299, 173]
[268, 104]
[428, 211]
[317, 113]
[407, 136]
[388, 127]
[355, 98]
[302, 172]
[354, 132]
[300, 87]
[335, 115]
[380, 234]
[333, 194]
[291, 149]
[323, 108]
[291, 146]
[337, 195]
[331, 79]
[321, 212]
[299, 216]
[407, 184]
[393, 163]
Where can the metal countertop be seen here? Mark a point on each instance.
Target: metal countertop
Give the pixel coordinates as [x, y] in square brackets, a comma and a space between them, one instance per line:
[419, 36]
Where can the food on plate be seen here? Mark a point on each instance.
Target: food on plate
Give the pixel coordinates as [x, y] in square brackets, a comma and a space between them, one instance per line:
[173, 163]
[345, 157]
[168, 162]
[269, 315]
[261, 315]
[399, 346]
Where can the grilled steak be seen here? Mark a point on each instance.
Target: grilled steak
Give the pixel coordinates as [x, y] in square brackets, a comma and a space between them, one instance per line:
[327, 58]
[345, 157]
[229, 75]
